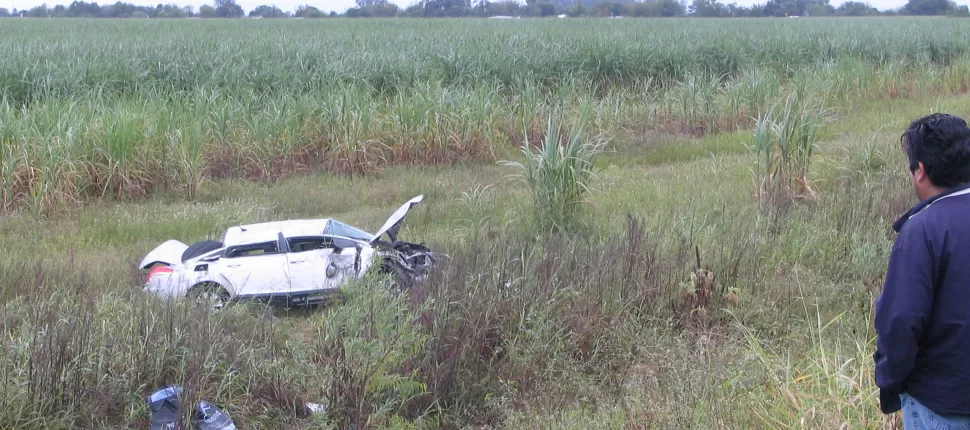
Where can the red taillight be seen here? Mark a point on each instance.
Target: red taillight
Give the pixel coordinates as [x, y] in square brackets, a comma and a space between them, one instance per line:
[159, 269]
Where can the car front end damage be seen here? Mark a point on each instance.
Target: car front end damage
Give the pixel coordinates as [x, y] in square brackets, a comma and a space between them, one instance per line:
[408, 263]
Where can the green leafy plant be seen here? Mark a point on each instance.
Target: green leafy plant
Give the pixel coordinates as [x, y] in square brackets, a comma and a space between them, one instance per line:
[558, 175]
[784, 141]
[368, 342]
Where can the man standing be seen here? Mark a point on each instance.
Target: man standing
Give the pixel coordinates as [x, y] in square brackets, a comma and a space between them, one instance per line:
[923, 314]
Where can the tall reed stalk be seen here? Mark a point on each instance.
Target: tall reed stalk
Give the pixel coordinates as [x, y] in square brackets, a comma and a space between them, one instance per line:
[785, 140]
[558, 175]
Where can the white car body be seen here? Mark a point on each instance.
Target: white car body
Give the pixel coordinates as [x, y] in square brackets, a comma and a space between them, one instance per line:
[295, 262]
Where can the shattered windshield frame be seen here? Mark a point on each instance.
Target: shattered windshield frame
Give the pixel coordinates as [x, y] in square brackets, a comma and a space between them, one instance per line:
[338, 228]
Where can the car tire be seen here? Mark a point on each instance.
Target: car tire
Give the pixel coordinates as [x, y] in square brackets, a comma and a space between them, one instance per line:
[210, 296]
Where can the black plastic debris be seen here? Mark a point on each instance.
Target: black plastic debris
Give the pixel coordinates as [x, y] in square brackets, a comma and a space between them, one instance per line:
[165, 405]
[212, 418]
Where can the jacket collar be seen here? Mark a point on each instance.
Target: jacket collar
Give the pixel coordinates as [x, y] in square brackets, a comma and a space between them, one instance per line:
[956, 190]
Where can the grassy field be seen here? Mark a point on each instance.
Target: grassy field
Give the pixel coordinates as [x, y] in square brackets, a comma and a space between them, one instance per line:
[124, 109]
[118, 135]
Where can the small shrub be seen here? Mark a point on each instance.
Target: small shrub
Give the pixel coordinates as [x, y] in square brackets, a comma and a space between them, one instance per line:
[784, 142]
[367, 345]
[558, 175]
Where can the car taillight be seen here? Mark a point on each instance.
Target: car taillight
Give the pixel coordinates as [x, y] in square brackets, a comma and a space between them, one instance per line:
[159, 269]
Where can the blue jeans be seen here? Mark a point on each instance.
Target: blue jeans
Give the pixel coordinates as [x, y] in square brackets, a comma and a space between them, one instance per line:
[919, 417]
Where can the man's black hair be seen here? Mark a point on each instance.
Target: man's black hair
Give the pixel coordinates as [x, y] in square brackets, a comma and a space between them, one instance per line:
[942, 143]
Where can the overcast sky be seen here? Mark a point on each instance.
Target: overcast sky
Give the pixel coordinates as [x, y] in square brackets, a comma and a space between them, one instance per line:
[342, 5]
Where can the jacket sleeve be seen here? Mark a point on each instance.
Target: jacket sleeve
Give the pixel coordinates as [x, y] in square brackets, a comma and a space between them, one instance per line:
[902, 312]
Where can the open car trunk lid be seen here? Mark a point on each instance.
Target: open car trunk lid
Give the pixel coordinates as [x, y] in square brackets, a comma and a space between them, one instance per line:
[169, 253]
[393, 224]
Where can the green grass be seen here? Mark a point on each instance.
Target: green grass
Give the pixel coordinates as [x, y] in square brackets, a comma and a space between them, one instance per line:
[86, 114]
[817, 263]
[608, 328]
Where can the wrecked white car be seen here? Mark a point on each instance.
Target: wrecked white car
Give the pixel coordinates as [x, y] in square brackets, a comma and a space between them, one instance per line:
[289, 263]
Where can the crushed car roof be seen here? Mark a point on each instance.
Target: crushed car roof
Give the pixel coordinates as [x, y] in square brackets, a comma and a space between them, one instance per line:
[265, 231]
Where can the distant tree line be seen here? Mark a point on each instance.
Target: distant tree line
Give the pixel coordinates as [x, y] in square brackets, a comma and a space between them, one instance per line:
[500, 8]
[219, 9]
[658, 8]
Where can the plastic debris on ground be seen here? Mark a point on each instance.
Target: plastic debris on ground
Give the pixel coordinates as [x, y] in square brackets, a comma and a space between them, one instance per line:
[316, 408]
[165, 405]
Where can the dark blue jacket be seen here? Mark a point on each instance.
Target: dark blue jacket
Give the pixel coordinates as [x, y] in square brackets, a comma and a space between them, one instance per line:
[923, 313]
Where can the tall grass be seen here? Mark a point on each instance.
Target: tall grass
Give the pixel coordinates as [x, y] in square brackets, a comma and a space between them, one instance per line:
[488, 324]
[785, 140]
[85, 113]
[366, 346]
[832, 387]
[388, 57]
[626, 328]
[73, 357]
[559, 174]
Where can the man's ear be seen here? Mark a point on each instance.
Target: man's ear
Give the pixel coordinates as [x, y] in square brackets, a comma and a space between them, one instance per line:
[920, 173]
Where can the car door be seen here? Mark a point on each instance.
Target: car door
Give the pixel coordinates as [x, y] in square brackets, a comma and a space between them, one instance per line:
[317, 264]
[257, 269]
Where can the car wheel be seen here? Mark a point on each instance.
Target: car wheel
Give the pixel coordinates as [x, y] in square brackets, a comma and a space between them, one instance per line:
[210, 296]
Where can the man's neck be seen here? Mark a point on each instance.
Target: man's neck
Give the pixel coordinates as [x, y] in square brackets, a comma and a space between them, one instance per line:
[931, 192]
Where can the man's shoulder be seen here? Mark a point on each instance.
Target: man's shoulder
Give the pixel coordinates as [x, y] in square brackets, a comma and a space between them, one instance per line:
[915, 234]
[934, 223]
[947, 207]
[919, 223]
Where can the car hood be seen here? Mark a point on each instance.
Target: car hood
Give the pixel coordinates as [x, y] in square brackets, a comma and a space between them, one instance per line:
[169, 253]
[393, 223]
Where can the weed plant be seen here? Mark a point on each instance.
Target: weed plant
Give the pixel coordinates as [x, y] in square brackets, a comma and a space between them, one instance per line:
[559, 174]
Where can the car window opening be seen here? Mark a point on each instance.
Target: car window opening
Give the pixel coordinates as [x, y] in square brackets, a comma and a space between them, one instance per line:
[303, 244]
[254, 249]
